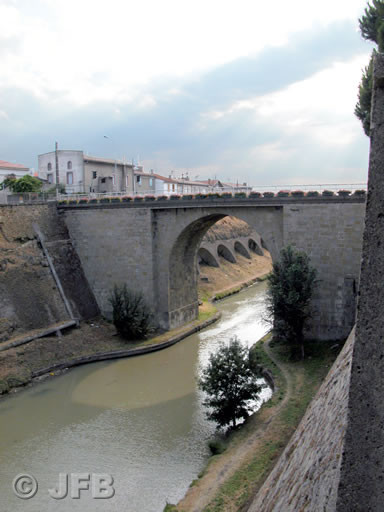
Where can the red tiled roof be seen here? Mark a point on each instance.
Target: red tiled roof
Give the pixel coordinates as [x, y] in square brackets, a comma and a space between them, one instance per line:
[10, 165]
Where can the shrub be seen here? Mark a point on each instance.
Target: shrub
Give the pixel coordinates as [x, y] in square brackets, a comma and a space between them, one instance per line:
[240, 194]
[313, 193]
[344, 193]
[328, 193]
[269, 194]
[63, 202]
[115, 200]
[359, 193]
[175, 197]
[254, 195]
[105, 200]
[138, 199]
[283, 193]
[201, 196]
[72, 201]
[93, 201]
[83, 201]
[162, 198]
[297, 193]
[213, 195]
[150, 198]
[126, 199]
[187, 196]
[216, 446]
[226, 195]
[231, 383]
[131, 315]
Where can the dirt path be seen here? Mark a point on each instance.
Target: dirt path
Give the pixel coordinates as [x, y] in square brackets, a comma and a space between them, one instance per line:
[223, 467]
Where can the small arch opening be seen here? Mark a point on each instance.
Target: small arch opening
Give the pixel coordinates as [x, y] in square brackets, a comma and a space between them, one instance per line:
[254, 247]
[241, 249]
[226, 253]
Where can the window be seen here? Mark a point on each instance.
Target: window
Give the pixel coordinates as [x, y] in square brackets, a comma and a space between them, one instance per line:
[102, 180]
[94, 175]
[113, 179]
[69, 165]
[50, 178]
[173, 187]
[49, 166]
[127, 181]
[69, 178]
[138, 179]
[150, 182]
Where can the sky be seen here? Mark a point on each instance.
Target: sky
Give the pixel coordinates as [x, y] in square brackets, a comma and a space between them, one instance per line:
[247, 91]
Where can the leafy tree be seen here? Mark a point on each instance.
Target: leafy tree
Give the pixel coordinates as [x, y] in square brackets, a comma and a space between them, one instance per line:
[230, 381]
[9, 179]
[372, 29]
[25, 184]
[290, 287]
[131, 314]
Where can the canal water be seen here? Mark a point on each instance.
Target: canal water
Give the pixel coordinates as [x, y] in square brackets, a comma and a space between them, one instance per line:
[139, 420]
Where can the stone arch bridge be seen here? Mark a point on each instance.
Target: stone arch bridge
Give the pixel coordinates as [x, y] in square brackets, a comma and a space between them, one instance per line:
[152, 246]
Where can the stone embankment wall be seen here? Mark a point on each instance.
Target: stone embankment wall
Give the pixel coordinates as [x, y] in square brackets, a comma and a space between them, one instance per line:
[306, 476]
[29, 297]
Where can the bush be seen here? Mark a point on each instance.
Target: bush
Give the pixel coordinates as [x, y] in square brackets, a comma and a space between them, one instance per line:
[83, 201]
[187, 196]
[230, 381]
[268, 194]
[105, 200]
[115, 200]
[328, 193]
[131, 315]
[290, 288]
[297, 193]
[283, 193]
[313, 193]
[240, 194]
[226, 194]
[175, 197]
[216, 446]
[162, 198]
[359, 193]
[93, 201]
[254, 195]
[150, 198]
[138, 199]
[344, 193]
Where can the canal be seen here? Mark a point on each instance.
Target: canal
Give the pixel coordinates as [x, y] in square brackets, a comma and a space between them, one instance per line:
[138, 419]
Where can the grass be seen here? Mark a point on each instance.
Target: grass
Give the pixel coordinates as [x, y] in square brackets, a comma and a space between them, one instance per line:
[306, 376]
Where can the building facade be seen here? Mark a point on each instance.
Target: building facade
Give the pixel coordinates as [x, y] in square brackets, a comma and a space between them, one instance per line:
[83, 174]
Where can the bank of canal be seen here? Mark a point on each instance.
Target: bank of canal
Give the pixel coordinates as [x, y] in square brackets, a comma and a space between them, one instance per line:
[138, 419]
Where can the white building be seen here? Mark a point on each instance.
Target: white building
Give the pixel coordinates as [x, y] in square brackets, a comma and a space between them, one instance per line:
[81, 173]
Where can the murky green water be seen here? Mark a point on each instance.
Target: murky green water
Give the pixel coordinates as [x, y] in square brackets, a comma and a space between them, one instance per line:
[138, 419]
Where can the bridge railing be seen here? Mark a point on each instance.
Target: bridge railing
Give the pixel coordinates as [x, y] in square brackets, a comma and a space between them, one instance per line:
[269, 190]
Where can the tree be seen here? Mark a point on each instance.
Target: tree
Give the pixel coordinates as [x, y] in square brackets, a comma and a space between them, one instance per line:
[25, 184]
[131, 314]
[290, 288]
[372, 29]
[230, 381]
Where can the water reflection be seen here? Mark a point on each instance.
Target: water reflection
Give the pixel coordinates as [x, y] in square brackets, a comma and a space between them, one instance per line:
[139, 419]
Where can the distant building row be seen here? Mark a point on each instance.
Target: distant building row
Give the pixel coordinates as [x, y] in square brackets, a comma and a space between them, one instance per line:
[83, 174]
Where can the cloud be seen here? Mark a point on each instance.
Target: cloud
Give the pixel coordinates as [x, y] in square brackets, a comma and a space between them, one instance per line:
[280, 114]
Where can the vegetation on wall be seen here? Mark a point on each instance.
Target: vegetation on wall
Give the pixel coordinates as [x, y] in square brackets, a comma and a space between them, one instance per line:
[372, 29]
[19, 185]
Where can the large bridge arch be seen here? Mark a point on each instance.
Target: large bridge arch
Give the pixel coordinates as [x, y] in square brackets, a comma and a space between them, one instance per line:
[182, 232]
